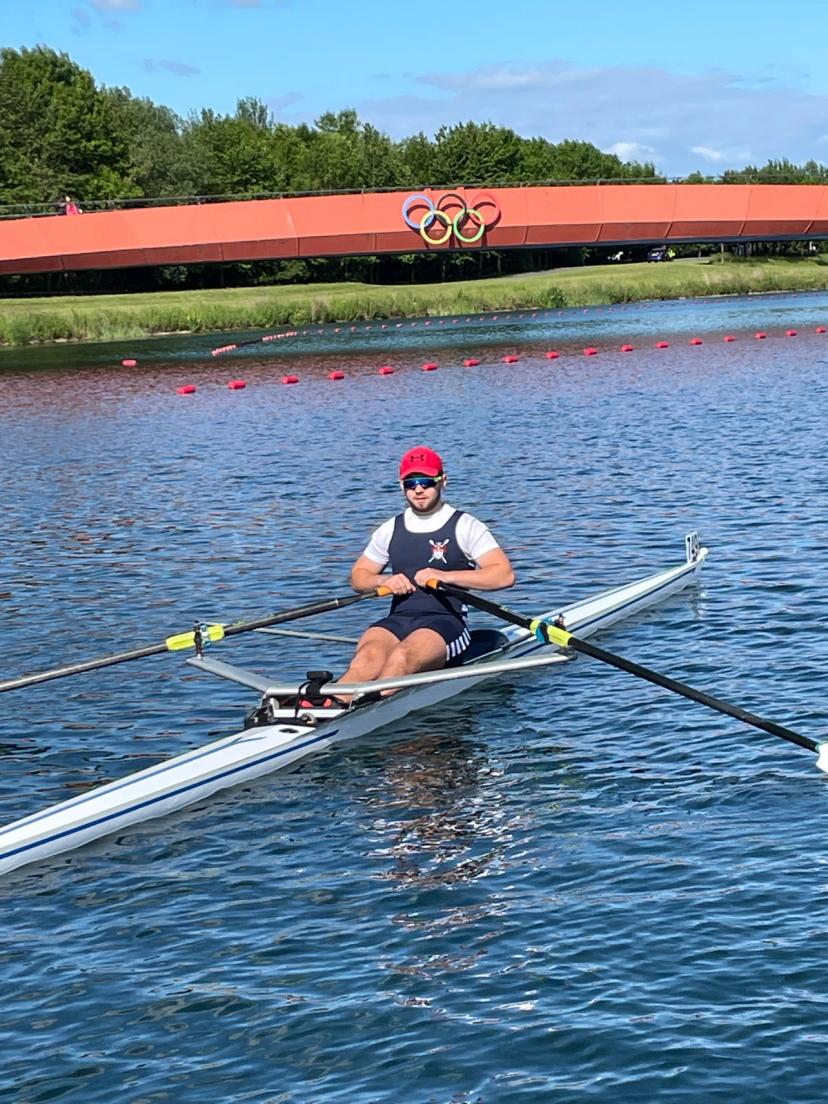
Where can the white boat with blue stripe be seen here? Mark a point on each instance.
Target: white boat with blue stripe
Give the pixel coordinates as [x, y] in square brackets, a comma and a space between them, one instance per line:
[279, 732]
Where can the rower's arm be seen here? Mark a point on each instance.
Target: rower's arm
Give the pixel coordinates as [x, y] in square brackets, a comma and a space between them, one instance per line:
[494, 572]
[367, 574]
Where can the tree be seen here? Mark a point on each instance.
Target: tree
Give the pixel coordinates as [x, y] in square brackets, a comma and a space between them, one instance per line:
[476, 153]
[236, 154]
[416, 155]
[58, 132]
[158, 161]
[341, 153]
[572, 160]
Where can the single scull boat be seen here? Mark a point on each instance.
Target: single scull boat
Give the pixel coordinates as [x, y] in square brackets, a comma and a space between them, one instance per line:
[279, 734]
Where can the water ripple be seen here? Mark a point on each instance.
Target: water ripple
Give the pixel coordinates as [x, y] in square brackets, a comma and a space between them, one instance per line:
[570, 886]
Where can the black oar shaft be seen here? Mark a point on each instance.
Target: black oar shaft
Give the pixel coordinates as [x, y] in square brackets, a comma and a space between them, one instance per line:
[325, 606]
[690, 692]
[79, 668]
[631, 668]
[311, 610]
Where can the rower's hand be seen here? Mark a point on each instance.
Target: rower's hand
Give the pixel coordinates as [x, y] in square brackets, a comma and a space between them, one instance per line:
[426, 573]
[399, 584]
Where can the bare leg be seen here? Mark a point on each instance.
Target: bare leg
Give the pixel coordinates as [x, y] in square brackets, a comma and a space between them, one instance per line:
[422, 650]
[380, 654]
[374, 647]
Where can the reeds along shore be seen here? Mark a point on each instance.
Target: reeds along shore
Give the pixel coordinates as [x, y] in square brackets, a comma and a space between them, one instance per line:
[114, 317]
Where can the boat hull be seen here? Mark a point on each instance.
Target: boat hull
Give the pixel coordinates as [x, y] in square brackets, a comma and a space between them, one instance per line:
[194, 776]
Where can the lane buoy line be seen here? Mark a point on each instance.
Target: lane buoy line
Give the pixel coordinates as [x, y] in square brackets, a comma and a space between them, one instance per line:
[490, 316]
[468, 362]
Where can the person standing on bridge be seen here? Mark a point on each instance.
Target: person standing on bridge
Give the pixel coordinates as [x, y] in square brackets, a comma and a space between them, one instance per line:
[424, 629]
[69, 207]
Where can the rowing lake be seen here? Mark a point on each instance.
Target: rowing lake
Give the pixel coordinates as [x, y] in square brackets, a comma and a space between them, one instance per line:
[565, 887]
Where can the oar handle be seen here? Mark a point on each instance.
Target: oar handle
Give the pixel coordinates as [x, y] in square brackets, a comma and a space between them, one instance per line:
[481, 603]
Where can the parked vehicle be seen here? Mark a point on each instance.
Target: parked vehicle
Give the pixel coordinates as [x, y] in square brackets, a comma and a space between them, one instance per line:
[660, 253]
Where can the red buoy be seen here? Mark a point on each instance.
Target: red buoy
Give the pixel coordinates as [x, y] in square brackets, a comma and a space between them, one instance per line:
[336, 374]
[290, 379]
[590, 351]
[386, 370]
[790, 333]
[627, 348]
[761, 336]
[510, 358]
[430, 366]
[237, 385]
[552, 355]
[728, 337]
[820, 329]
[130, 363]
[186, 389]
[662, 344]
[470, 362]
[696, 341]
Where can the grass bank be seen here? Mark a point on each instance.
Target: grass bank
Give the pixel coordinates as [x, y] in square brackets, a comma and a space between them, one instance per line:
[115, 317]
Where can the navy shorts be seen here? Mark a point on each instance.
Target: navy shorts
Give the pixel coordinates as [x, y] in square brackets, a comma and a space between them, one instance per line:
[453, 630]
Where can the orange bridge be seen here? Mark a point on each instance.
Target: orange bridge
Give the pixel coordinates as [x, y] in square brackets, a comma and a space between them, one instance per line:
[604, 215]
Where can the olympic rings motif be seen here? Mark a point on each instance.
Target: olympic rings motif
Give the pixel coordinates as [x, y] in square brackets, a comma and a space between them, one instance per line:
[468, 217]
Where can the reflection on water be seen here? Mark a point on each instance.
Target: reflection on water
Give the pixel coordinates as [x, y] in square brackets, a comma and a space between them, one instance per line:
[431, 809]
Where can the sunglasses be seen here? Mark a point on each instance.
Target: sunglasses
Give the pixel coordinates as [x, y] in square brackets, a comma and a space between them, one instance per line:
[427, 482]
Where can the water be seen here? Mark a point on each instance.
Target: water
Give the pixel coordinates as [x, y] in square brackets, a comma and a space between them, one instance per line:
[566, 886]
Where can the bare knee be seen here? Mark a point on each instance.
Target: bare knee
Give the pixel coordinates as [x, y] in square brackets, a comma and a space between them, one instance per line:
[370, 656]
[413, 654]
[369, 660]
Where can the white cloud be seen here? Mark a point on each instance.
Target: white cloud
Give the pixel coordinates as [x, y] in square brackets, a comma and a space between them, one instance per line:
[631, 151]
[709, 154]
[644, 113]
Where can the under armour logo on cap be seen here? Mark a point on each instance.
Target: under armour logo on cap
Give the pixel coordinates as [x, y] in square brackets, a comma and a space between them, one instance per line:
[422, 461]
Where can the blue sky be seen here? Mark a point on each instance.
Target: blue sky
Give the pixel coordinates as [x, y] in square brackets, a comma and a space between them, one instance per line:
[709, 85]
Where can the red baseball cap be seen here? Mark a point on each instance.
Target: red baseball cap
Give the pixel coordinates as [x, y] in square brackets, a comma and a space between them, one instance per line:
[422, 460]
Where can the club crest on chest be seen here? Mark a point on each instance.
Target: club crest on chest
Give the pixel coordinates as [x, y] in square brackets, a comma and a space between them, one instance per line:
[438, 551]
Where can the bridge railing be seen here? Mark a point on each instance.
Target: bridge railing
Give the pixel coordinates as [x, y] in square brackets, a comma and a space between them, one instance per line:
[41, 210]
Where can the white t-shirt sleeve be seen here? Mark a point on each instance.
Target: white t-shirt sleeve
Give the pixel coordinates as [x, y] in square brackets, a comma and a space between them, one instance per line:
[475, 538]
[379, 545]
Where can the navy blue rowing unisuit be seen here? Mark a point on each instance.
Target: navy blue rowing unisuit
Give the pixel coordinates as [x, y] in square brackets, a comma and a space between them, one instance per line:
[427, 609]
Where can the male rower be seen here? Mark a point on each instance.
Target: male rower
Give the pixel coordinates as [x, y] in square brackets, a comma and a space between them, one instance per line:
[428, 540]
